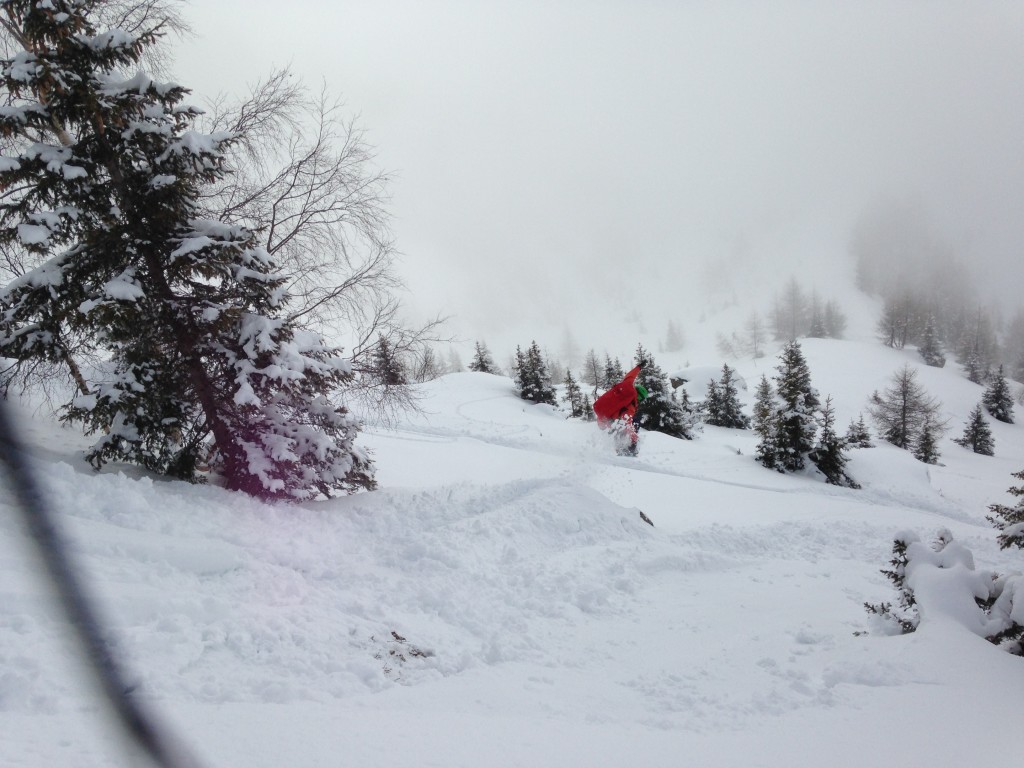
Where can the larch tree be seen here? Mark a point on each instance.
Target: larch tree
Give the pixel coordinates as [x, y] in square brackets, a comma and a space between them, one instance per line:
[754, 336]
[593, 371]
[901, 412]
[200, 361]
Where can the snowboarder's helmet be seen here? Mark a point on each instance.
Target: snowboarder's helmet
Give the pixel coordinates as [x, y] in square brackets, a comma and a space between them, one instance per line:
[641, 393]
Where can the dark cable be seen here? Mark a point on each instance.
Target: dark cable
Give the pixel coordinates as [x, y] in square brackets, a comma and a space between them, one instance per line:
[139, 726]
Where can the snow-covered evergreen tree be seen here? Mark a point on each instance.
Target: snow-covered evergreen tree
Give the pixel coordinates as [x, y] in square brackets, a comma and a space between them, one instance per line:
[816, 328]
[904, 614]
[977, 435]
[795, 420]
[829, 453]
[975, 368]
[1010, 588]
[765, 424]
[1010, 520]
[660, 411]
[926, 447]
[722, 405]
[532, 380]
[104, 188]
[482, 361]
[858, 435]
[931, 346]
[711, 408]
[613, 372]
[574, 398]
[387, 368]
[997, 398]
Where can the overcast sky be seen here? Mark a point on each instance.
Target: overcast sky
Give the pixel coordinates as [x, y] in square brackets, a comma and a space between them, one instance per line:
[637, 143]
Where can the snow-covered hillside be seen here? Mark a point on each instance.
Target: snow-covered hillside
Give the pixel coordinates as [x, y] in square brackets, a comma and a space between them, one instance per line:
[500, 601]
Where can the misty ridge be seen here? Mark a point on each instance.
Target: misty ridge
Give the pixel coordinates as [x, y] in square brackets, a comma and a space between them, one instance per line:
[924, 296]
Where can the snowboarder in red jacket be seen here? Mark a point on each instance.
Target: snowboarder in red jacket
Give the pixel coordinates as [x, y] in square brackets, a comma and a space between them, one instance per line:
[616, 409]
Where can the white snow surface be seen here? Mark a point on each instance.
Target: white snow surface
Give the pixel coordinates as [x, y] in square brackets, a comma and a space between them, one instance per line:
[500, 602]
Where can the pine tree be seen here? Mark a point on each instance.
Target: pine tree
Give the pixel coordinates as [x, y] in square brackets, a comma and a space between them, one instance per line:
[765, 424]
[191, 313]
[722, 406]
[588, 409]
[482, 361]
[690, 413]
[1010, 520]
[574, 397]
[388, 369]
[613, 372]
[931, 347]
[795, 420]
[533, 382]
[816, 328]
[926, 448]
[660, 412]
[905, 614]
[711, 408]
[997, 398]
[977, 435]
[858, 435]
[975, 368]
[829, 453]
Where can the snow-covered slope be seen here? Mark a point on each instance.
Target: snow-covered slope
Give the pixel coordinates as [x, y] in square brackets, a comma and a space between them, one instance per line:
[500, 601]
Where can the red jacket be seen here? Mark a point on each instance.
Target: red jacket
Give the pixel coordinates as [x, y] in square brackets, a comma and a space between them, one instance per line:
[621, 400]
